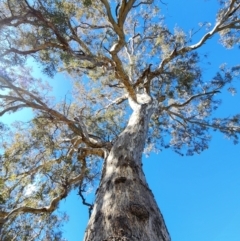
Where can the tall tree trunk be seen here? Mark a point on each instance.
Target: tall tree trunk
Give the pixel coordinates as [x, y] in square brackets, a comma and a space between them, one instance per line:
[125, 209]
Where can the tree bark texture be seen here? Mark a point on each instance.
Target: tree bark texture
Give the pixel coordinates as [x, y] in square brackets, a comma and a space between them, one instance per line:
[125, 208]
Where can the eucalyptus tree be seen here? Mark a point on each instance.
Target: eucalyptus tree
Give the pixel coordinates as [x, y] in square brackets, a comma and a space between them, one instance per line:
[135, 84]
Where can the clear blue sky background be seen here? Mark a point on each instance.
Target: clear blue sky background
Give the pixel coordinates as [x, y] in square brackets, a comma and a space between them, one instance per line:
[199, 196]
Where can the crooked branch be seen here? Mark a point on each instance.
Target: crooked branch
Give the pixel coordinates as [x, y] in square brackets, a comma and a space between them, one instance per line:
[190, 99]
[80, 193]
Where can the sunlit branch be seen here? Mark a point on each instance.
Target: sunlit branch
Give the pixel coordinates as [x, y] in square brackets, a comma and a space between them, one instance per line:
[100, 152]
[231, 10]
[123, 77]
[129, 54]
[124, 10]
[231, 25]
[82, 126]
[76, 141]
[217, 28]
[13, 98]
[47, 209]
[93, 26]
[115, 102]
[116, 47]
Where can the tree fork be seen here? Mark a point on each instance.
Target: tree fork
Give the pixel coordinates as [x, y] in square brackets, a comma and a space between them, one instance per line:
[125, 208]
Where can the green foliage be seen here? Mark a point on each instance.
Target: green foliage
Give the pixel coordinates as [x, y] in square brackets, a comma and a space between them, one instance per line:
[87, 3]
[109, 60]
[21, 228]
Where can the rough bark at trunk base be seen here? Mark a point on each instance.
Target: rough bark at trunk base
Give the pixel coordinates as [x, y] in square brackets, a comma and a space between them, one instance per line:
[125, 208]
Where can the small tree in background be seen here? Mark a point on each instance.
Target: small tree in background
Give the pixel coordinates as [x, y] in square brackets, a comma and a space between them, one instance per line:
[135, 84]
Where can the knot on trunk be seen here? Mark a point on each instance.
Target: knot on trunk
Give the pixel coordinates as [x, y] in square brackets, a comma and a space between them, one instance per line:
[121, 228]
[139, 211]
[120, 180]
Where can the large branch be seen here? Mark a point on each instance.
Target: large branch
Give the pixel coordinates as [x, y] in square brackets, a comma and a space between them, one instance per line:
[35, 102]
[33, 50]
[232, 25]
[121, 75]
[219, 26]
[116, 47]
[109, 15]
[124, 10]
[12, 108]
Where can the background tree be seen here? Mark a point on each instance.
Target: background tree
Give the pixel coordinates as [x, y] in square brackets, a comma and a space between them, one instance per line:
[122, 59]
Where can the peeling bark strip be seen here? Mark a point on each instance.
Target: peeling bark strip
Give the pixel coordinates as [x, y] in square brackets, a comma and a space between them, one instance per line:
[125, 209]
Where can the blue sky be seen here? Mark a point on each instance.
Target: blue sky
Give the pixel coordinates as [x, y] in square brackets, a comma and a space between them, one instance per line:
[199, 196]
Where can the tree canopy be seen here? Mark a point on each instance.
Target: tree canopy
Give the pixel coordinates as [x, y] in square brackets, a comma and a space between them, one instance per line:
[113, 51]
